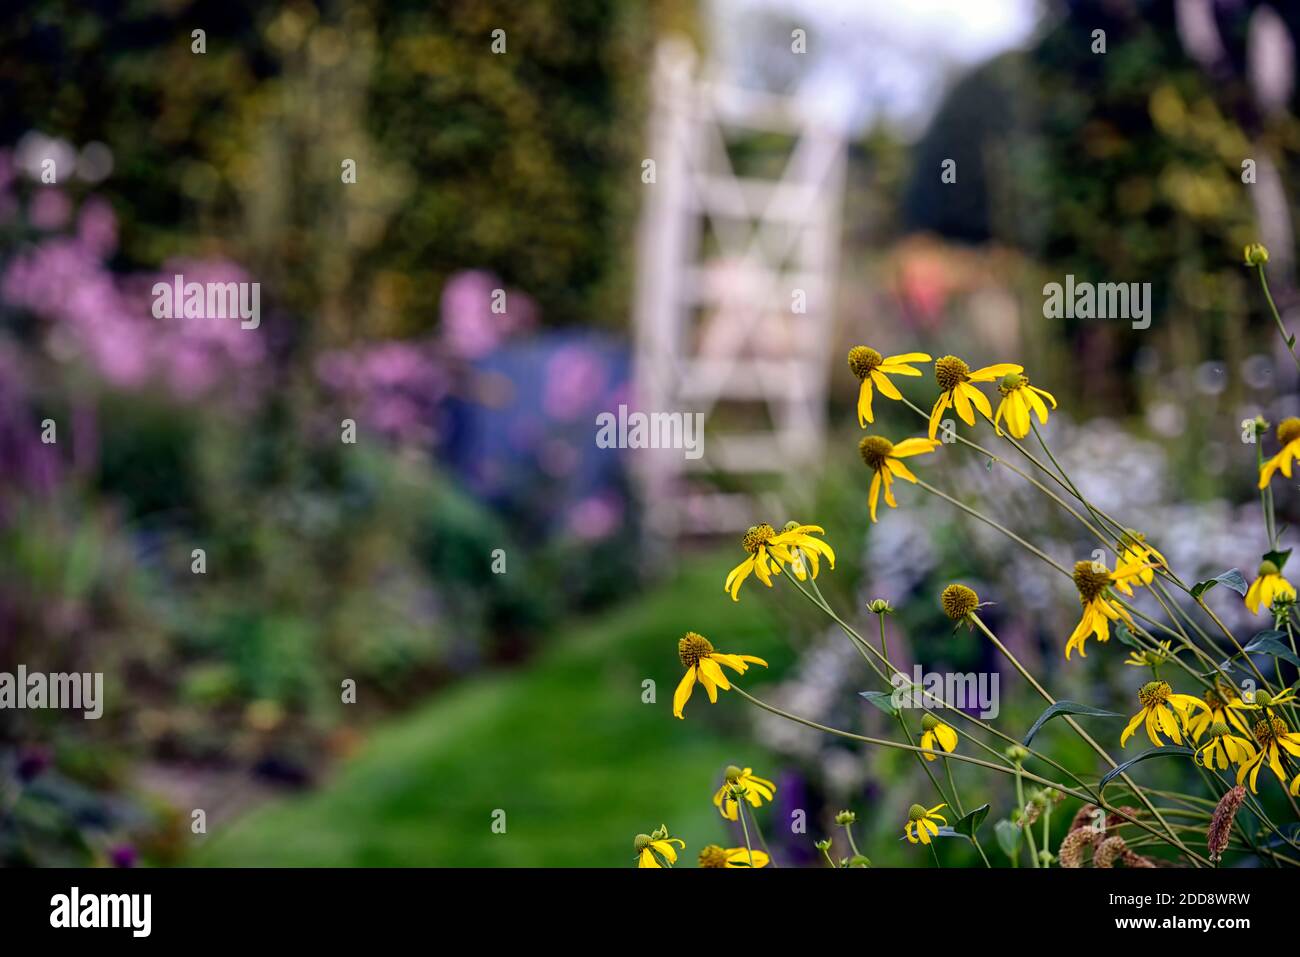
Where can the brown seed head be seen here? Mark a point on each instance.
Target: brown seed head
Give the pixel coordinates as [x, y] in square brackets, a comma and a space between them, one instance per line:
[864, 360]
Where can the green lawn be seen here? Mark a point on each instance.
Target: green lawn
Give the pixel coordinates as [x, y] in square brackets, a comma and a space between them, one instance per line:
[565, 746]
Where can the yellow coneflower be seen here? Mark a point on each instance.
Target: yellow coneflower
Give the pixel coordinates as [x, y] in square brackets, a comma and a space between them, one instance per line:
[935, 732]
[1222, 705]
[1273, 737]
[1137, 554]
[797, 540]
[1149, 657]
[1019, 398]
[702, 664]
[882, 457]
[754, 789]
[1162, 712]
[870, 366]
[1268, 586]
[1288, 435]
[764, 561]
[656, 848]
[920, 824]
[1264, 699]
[955, 377]
[959, 601]
[715, 856]
[1099, 609]
[1224, 749]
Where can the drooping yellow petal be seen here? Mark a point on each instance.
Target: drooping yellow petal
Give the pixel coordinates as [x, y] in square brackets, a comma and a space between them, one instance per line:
[737, 576]
[961, 401]
[887, 388]
[709, 669]
[901, 470]
[864, 403]
[1132, 727]
[683, 692]
[947, 736]
[936, 414]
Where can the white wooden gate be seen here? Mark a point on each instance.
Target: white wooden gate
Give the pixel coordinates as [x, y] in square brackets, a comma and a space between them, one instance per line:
[723, 260]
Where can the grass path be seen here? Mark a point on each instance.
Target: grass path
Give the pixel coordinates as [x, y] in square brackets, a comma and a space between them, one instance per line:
[564, 746]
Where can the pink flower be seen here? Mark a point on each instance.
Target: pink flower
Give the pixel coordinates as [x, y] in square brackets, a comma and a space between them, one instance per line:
[50, 209]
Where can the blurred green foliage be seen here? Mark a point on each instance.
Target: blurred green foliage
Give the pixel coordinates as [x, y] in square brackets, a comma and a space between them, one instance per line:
[521, 162]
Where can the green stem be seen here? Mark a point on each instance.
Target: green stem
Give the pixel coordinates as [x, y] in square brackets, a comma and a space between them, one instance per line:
[1001, 769]
[1272, 306]
[1105, 756]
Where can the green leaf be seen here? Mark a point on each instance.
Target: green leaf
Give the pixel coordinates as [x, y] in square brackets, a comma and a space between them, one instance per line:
[1153, 753]
[1232, 578]
[1065, 707]
[1009, 837]
[1278, 558]
[881, 699]
[1272, 643]
[971, 822]
[1126, 637]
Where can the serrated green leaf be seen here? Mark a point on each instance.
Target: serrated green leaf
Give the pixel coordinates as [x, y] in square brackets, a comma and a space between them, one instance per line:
[1065, 707]
[1171, 751]
[1232, 578]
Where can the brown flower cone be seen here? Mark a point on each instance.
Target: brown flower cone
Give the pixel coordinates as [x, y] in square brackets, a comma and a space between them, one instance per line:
[1074, 844]
[1221, 822]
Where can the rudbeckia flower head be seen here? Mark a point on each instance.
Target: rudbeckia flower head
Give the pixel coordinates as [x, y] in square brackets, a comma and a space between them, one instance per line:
[1224, 748]
[1269, 586]
[873, 368]
[1222, 706]
[704, 664]
[1163, 713]
[803, 548]
[1273, 737]
[1150, 657]
[1092, 581]
[1288, 436]
[1266, 699]
[936, 733]
[656, 849]
[1019, 399]
[1141, 558]
[764, 561]
[959, 601]
[741, 783]
[923, 824]
[955, 377]
[883, 458]
[715, 856]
